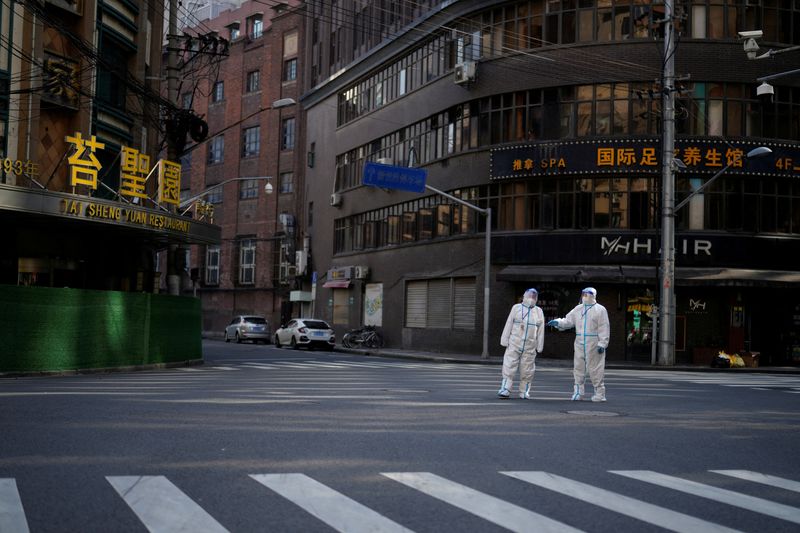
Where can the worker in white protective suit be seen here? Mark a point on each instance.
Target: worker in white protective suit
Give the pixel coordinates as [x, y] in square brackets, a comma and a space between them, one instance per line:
[523, 338]
[592, 331]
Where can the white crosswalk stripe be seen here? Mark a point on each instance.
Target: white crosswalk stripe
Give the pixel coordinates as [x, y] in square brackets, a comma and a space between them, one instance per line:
[333, 508]
[488, 507]
[751, 503]
[162, 507]
[632, 507]
[756, 477]
[12, 515]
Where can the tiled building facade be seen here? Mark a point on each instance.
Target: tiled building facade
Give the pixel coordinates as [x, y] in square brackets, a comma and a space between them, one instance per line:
[549, 113]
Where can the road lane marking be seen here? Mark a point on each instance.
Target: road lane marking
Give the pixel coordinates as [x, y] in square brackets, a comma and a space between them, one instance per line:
[333, 508]
[162, 507]
[765, 479]
[12, 514]
[488, 507]
[751, 503]
[618, 503]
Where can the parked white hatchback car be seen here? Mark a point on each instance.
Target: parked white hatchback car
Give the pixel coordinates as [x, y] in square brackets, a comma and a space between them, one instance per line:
[248, 328]
[308, 332]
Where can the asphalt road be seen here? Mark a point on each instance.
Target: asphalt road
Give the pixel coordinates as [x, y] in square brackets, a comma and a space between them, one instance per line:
[267, 439]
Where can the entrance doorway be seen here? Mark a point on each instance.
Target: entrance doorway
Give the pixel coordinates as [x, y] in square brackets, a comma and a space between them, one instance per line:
[639, 324]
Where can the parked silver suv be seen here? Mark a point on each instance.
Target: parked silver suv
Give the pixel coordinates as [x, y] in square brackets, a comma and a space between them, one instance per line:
[248, 328]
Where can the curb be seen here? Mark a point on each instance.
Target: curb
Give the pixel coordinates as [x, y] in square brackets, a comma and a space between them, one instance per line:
[564, 363]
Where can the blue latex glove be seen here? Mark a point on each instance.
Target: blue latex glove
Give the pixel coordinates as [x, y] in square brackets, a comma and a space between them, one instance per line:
[601, 350]
[553, 323]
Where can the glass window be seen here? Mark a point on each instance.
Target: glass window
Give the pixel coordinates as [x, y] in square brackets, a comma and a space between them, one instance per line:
[251, 140]
[256, 27]
[248, 189]
[212, 265]
[247, 261]
[218, 92]
[287, 134]
[216, 149]
[290, 70]
[253, 81]
[287, 182]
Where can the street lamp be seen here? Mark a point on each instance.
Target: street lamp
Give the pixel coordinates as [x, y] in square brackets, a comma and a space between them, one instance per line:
[666, 332]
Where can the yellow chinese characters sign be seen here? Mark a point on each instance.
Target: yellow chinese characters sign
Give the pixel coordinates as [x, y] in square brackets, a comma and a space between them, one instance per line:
[169, 182]
[83, 163]
[133, 169]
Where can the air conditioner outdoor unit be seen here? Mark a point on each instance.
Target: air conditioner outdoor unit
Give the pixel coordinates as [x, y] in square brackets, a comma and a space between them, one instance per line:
[362, 272]
[464, 73]
[336, 199]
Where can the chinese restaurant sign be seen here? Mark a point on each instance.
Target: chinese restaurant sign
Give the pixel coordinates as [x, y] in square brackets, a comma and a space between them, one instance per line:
[640, 156]
[134, 170]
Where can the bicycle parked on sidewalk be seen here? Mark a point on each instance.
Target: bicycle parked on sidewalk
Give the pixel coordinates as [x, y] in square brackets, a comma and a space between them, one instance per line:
[367, 336]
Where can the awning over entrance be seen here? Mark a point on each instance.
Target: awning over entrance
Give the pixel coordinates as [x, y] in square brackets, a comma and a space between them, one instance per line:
[647, 275]
[337, 284]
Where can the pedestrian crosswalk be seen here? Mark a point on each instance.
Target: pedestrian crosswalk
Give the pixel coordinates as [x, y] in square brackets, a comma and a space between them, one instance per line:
[163, 507]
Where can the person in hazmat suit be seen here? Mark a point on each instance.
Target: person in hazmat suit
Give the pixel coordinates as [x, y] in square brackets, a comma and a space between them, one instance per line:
[592, 332]
[523, 338]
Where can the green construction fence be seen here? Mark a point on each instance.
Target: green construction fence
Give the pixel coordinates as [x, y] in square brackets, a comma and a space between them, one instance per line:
[48, 330]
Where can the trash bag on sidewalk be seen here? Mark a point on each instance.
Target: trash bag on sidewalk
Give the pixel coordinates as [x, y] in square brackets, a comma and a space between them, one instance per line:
[724, 360]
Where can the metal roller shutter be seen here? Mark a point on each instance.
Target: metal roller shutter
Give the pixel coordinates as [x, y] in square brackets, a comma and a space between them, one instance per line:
[439, 304]
[464, 303]
[416, 304]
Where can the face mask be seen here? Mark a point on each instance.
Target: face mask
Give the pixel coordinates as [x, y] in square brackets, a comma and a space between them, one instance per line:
[529, 301]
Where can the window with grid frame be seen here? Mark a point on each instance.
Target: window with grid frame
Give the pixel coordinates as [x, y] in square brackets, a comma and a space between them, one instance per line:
[218, 92]
[255, 26]
[290, 70]
[247, 261]
[248, 189]
[445, 303]
[251, 141]
[216, 150]
[212, 265]
[287, 182]
[253, 81]
[287, 134]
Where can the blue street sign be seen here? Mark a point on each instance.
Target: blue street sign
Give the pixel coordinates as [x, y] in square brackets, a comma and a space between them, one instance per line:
[392, 177]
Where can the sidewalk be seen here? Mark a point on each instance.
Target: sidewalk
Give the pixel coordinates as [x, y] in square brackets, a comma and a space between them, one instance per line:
[545, 362]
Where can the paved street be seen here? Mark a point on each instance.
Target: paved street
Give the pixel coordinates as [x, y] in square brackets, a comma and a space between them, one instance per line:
[267, 439]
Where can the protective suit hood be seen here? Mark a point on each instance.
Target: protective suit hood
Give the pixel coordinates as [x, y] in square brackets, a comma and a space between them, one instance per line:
[589, 296]
[530, 297]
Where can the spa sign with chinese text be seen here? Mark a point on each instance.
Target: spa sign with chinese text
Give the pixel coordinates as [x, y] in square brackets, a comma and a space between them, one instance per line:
[640, 156]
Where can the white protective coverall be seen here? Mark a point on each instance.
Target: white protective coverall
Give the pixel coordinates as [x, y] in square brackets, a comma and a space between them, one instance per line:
[592, 332]
[523, 337]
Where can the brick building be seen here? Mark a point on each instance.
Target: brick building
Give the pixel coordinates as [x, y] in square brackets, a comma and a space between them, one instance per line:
[249, 101]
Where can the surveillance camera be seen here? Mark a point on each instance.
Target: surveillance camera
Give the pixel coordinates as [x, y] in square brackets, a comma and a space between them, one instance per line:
[765, 91]
[750, 48]
[268, 188]
[755, 34]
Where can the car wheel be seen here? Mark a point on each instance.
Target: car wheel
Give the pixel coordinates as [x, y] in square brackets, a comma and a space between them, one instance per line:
[238, 338]
[226, 337]
[277, 342]
[295, 346]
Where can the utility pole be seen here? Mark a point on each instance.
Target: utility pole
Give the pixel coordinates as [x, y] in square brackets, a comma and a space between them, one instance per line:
[173, 274]
[666, 333]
